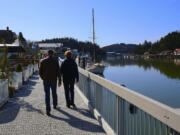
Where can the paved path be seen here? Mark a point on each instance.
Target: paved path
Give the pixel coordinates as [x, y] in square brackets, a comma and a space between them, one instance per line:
[24, 114]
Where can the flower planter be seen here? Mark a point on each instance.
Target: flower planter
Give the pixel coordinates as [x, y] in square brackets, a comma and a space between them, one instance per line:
[35, 68]
[30, 70]
[25, 74]
[16, 81]
[4, 93]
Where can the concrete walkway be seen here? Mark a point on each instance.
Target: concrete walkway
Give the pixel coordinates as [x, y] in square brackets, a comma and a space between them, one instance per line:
[25, 114]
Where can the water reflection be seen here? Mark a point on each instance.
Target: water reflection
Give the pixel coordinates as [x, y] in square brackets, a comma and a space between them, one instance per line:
[156, 78]
[168, 67]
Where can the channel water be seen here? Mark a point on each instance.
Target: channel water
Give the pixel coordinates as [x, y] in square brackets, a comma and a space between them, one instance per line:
[158, 79]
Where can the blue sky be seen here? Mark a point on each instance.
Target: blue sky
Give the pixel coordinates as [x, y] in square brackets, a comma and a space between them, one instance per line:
[116, 21]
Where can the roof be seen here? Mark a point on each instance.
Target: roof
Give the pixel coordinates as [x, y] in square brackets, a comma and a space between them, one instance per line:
[12, 49]
[16, 43]
[47, 45]
[110, 52]
[8, 45]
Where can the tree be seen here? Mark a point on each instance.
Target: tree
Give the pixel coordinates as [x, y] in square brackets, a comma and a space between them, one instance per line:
[4, 63]
[7, 36]
[85, 47]
[22, 40]
[142, 48]
[166, 43]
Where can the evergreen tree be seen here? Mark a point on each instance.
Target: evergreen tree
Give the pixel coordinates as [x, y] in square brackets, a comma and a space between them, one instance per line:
[4, 63]
[86, 47]
[7, 36]
[22, 39]
[166, 43]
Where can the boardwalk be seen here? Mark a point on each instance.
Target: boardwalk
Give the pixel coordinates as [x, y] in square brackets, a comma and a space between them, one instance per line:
[24, 114]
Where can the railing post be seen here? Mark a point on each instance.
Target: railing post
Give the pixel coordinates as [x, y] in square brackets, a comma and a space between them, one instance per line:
[117, 115]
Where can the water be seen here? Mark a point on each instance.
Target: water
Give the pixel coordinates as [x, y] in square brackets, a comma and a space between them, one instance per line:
[158, 79]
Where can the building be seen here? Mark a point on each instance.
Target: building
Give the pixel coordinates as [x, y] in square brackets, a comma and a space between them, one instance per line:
[44, 47]
[48, 46]
[14, 49]
[7, 36]
[110, 53]
[177, 51]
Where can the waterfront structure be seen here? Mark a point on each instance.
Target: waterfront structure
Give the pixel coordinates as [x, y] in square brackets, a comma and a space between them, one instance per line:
[13, 49]
[119, 110]
[177, 62]
[110, 53]
[48, 46]
[44, 47]
[177, 51]
[7, 35]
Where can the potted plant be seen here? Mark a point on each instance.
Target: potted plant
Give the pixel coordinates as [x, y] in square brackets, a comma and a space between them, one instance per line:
[5, 73]
[2, 76]
[19, 74]
[16, 77]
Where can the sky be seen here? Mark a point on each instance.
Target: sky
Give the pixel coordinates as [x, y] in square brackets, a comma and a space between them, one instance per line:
[116, 21]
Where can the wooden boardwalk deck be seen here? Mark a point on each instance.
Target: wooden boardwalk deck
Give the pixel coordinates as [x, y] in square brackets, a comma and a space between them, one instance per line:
[24, 114]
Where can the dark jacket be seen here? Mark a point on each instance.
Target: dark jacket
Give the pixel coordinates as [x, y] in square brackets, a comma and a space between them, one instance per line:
[49, 70]
[69, 70]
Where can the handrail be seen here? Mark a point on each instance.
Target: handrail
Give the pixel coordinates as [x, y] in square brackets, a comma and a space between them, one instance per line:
[162, 112]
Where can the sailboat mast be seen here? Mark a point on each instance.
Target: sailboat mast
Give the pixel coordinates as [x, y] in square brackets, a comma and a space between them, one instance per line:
[93, 34]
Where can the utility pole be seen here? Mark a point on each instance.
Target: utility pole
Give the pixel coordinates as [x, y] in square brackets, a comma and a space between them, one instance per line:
[93, 35]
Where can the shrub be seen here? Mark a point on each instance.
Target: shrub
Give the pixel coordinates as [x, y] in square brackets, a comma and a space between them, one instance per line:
[5, 64]
[2, 76]
[18, 68]
[12, 69]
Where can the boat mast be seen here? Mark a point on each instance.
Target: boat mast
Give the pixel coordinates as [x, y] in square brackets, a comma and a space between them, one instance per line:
[93, 34]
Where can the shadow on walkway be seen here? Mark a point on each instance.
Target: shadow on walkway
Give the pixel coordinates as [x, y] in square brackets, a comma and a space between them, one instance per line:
[79, 123]
[84, 112]
[10, 111]
[27, 88]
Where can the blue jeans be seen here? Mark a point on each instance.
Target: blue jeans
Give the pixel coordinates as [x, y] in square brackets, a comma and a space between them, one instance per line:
[47, 87]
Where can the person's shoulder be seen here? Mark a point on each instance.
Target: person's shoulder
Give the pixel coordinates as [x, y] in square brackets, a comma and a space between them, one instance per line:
[43, 60]
[63, 61]
[73, 61]
[54, 58]
[67, 60]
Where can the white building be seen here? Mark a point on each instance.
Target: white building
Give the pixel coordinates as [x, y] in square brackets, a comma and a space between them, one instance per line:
[44, 47]
[13, 49]
[177, 51]
[47, 46]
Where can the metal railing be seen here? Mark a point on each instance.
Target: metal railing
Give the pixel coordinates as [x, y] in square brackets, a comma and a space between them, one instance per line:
[127, 112]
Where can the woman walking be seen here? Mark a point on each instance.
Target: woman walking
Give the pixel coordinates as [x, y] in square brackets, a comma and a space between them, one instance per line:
[69, 72]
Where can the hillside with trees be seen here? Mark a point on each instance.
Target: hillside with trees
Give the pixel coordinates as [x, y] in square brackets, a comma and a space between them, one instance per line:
[142, 48]
[167, 43]
[120, 48]
[85, 47]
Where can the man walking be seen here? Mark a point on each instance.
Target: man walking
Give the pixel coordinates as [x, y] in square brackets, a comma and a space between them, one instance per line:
[69, 72]
[49, 72]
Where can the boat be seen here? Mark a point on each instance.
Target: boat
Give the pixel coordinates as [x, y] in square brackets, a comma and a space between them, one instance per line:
[96, 68]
